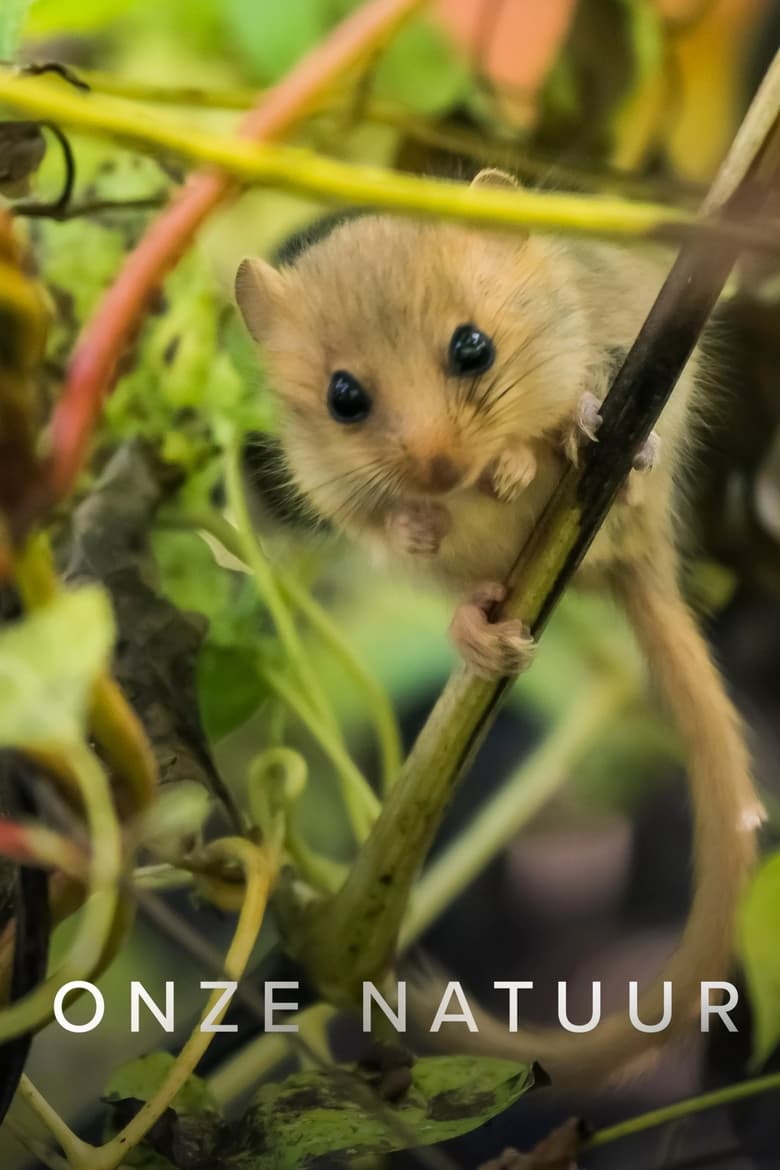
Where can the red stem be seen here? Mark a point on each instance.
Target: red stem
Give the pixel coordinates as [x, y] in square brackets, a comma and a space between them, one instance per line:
[119, 314]
[15, 843]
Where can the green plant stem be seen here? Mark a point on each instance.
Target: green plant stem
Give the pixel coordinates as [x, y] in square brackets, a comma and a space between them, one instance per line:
[680, 1109]
[374, 695]
[379, 706]
[162, 876]
[321, 872]
[265, 579]
[277, 780]
[539, 776]
[34, 1145]
[362, 805]
[305, 171]
[69, 1142]
[101, 82]
[102, 902]
[490, 150]
[241, 1073]
[311, 707]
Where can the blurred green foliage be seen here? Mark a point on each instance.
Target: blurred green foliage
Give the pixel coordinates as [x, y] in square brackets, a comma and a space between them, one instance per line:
[48, 665]
[760, 931]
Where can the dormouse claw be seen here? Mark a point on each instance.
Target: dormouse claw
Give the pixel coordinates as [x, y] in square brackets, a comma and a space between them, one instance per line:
[589, 416]
[633, 491]
[493, 650]
[418, 528]
[583, 428]
[649, 454]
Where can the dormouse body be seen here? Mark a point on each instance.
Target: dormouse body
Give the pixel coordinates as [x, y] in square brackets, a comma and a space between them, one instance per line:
[433, 380]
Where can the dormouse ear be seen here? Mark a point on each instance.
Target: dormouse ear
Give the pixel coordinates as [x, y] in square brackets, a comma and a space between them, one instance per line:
[259, 292]
[492, 177]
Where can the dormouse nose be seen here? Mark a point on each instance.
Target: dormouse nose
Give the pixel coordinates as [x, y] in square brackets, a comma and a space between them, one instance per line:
[438, 473]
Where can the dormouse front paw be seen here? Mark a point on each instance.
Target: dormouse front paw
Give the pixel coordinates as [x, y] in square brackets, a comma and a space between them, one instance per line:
[418, 528]
[493, 649]
[510, 473]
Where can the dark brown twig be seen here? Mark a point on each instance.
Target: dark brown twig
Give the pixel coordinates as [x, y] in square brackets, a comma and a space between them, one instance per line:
[89, 207]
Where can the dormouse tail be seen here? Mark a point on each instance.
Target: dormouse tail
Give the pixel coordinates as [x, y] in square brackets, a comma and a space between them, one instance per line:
[726, 813]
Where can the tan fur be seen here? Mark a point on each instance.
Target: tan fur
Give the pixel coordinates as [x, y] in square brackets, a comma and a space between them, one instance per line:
[381, 298]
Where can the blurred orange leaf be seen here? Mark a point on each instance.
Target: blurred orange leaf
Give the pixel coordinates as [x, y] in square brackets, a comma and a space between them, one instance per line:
[513, 42]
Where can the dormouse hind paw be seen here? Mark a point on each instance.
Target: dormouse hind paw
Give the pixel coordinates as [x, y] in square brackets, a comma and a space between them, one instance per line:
[493, 650]
[418, 528]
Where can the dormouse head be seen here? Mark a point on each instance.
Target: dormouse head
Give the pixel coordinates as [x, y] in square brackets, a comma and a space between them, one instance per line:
[407, 354]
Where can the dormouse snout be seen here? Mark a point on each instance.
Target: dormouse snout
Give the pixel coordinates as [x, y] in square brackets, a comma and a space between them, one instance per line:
[437, 473]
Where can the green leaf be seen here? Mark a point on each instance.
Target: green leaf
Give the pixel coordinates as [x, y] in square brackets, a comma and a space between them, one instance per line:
[312, 1114]
[760, 950]
[184, 384]
[424, 70]
[48, 663]
[140, 1079]
[230, 688]
[12, 15]
[646, 30]
[272, 37]
[67, 16]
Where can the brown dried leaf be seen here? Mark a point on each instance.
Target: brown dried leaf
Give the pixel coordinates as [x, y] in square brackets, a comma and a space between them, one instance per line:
[22, 147]
[157, 644]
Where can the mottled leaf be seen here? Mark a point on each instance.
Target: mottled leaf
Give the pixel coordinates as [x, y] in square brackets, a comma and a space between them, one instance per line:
[313, 1114]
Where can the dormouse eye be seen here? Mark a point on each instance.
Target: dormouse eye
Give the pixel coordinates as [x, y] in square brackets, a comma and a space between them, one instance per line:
[348, 402]
[471, 351]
